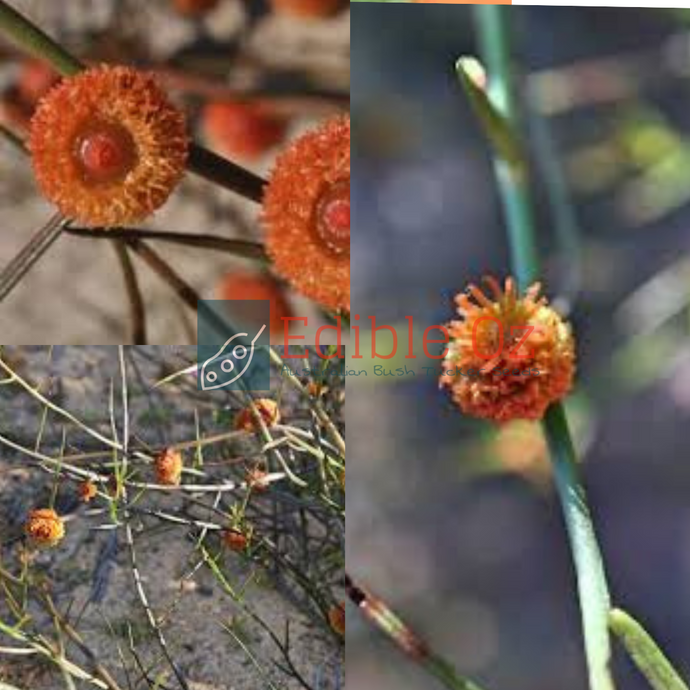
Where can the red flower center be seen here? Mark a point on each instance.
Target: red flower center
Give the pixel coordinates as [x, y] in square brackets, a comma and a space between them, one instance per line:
[333, 217]
[105, 152]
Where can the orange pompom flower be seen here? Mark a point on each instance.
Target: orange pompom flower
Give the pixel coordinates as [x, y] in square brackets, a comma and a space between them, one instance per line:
[509, 357]
[252, 285]
[44, 527]
[169, 467]
[306, 213]
[268, 409]
[240, 130]
[336, 618]
[87, 491]
[235, 540]
[107, 146]
[308, 8]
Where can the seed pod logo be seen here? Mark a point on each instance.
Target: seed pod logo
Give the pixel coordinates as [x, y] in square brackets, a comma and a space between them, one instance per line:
[229, 363]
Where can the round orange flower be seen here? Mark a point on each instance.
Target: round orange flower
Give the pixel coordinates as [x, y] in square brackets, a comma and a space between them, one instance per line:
[44, 527]
[268, 409]
[306, 212]
[87, 491]
[107, 146]
[509, 357]
[242, 130]
[169, 467]
[235, 540]
[336, 618]
[248, 285]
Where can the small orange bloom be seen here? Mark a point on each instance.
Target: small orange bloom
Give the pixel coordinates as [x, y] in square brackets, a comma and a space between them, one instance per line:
[107, 146]
[248, 285]
[242, 130]
[308, 8]
[257, 479]
[336, 617]
[169, 467]
[268, 409]
[87, 491]
[306, 213]
[44, 527]
[509, 357]
[235, 540]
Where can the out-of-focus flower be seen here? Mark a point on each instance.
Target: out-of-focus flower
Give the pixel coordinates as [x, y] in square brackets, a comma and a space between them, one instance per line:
[44, 527]
[509, 357]
[169, 467]
[336, 618]
[306, 213]
[107, 146]
[242, 130]
[87, 491]
[36, 78]
[268, 409]
[248, 285]
[308, 8]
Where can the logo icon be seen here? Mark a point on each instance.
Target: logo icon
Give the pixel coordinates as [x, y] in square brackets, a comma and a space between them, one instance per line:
[231, 360]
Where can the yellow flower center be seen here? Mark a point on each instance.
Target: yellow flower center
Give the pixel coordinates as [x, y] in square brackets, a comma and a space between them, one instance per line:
[333, 217]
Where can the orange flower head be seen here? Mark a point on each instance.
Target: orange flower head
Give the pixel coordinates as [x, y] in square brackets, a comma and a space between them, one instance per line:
[235, 540]
[169, 467]
[257, 479]
[306, 213]
[87, 491]
[509, 357]
[336, 618]
[107, 146]
[251, 285]
[194, 7]
[44, 527]
[268, 409]
[245, 131]
[308, 8]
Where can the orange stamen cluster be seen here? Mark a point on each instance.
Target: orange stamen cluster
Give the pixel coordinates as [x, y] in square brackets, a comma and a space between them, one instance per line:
[235, 540]
[529, 370]
[44, 527]
[87, 491]
[107, 146]
[169, 467]
[307, 214]
[268, 409]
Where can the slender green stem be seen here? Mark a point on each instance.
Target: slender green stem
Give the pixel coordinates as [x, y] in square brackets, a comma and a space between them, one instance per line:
[514, 188]
[36, 42]
[495, 45]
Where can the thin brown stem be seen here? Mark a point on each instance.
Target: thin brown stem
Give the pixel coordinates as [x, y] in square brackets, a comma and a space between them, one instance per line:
[137, 309]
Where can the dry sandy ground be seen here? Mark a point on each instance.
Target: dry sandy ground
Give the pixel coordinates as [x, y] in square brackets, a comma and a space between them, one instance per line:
[89, 560]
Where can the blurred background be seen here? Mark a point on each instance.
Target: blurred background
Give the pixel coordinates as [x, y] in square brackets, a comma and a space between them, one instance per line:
[452, 521]
[252, 75]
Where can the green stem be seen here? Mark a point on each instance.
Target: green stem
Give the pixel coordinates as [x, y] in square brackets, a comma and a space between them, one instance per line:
[492, 23]
[494, 38]
[34, 41]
